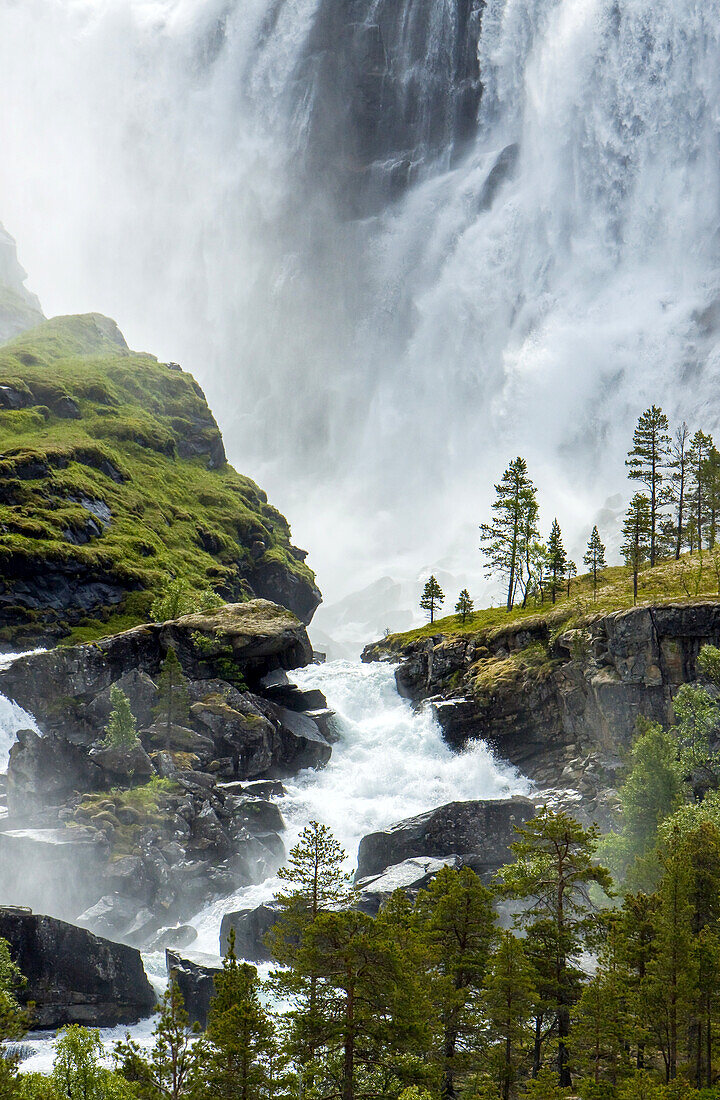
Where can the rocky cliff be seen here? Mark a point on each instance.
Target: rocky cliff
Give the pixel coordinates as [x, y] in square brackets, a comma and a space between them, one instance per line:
[128, 839]
[113, 478]
[19, 308]
[560, 706]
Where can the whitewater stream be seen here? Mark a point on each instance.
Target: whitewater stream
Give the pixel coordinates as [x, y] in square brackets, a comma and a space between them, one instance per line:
[390, 763]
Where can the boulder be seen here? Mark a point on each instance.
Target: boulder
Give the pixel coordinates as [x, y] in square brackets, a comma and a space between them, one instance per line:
[250, 927]
[141, 692]
[410, 876]
[125, 767]
[195, 976]
[480, 832]
[45, 770]
[74, 977]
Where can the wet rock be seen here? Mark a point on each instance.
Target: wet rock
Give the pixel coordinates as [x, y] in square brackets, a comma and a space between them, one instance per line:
[127, 767]
[142, 695]
[258, 788]
[480, 832]
[195, 976]
[251, 926]
[173, 938]
[410, 876]
[64, 865]
[44, 771]
[255, 814]
[74, 977]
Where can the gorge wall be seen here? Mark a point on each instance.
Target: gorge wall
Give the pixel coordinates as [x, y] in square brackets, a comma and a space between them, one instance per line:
[560, 704]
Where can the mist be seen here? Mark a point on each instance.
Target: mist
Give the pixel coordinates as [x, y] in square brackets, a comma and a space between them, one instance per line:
[384, 309]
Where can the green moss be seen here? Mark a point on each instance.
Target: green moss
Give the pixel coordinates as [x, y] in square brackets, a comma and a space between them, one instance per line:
[170, 515]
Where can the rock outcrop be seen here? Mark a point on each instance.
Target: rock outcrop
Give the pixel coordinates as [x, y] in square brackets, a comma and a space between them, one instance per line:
[195, 975]
[19, 309]
[138, 492]
[250, 926]
[478, 832]
[410, 876]
[562, 709]
[74, 977]
[146, 834]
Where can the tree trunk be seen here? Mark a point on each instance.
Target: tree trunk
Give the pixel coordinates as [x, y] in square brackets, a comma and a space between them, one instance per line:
[348, 1082]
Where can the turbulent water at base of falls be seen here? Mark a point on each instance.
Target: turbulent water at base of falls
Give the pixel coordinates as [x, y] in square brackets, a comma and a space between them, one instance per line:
[386, 290]
[390, 763]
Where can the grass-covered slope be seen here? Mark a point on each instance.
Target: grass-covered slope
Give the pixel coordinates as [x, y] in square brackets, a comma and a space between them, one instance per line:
[690, 579]
[113, 478]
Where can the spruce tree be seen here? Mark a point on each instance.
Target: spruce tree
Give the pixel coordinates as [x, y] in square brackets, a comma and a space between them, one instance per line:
[712, 495]
[457, 923]
[636, 537]
[121, 730]
[679, 483]
[553, 873]
[602, 1018]
[594, 557]
[464, 607]
[317, 882]
[697, 484]
[432, 598]
[513, 527]
[649, 462]
[508, 1001]
[571, 572]
[239, 1047]
[173, 1066]
[557, 558]
[173, 706]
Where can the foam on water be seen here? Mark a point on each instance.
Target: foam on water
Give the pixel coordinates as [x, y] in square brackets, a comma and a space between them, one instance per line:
[390, 763]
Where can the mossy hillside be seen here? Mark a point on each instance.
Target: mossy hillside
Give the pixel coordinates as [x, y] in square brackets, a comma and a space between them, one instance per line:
[106, 430]
[514, 649]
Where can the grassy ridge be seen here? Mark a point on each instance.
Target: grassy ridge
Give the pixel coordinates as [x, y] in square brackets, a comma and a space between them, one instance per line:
[103, 428]
[690, 578]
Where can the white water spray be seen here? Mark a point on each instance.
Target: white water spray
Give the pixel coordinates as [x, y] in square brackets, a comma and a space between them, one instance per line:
[165, 163]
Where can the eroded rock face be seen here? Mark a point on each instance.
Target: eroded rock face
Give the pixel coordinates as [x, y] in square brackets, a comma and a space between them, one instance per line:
[195, 975]
[250, 926]
[568, 724]
[410, 876]
[478, 832]
[74, 977]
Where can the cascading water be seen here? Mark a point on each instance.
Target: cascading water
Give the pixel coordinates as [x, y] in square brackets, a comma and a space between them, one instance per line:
[310, 204]
[390, 763]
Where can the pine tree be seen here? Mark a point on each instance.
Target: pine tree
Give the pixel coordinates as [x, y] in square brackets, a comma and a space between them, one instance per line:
[697, 485]
[239, 1045]
[594, 557]
[121, 730]
[173, 706]
[457, 924]
[508, 1001]
[602, 1017]
[571, 572]
[173, 1066]
[649, 462]
[556, 557]
[318, 882]
[464, 607]
[553, 873]
[432, 598]
[712, 494]
[636, 537]
[679, 483]
[513, 527]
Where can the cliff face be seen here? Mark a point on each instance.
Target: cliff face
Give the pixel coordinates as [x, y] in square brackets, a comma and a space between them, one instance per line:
[562, 709]
[19, 309]
[113, 478]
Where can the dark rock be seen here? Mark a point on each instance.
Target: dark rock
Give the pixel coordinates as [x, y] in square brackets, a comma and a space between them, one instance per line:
[250, 927]
[256, 815]
[195, 976]
[174, 938]
[66, 408]
[141, 692]
[259, 788]
[411, 876]
[178, 739]
[45, 771]
[127, 767]
[480, 832]
[74, 977]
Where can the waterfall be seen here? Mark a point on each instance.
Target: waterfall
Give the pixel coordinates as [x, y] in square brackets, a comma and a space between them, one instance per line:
[388, 282]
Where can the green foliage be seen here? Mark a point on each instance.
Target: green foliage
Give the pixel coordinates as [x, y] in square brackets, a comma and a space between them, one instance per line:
[170, 516]
[594, 557]
[173, 1067]
[77, 1070]
[173, 705]
[651, 792]
[432, 597]
[178, 598]
[637, 537]
[507, 539]
[121, 730]
[556, 559]
[464, 606]
[509, 999]
[649, 462]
